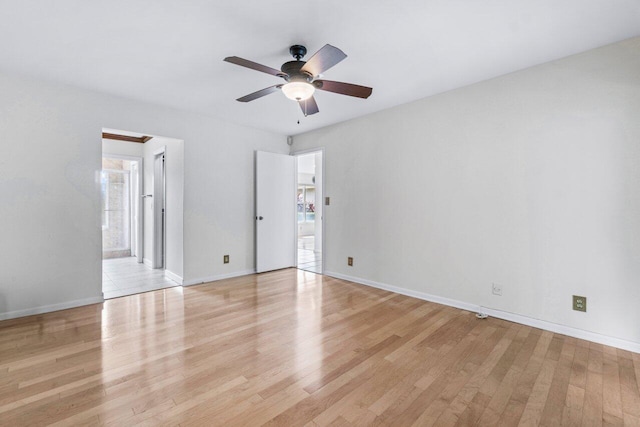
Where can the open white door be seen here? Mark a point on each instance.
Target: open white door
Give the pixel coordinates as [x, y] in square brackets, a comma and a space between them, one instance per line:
[159, 211]
[275, 211]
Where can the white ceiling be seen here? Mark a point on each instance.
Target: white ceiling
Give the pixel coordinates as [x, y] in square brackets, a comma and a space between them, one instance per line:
[171, 52]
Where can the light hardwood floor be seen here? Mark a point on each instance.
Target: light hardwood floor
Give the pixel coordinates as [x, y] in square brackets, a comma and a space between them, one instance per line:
[294, 348]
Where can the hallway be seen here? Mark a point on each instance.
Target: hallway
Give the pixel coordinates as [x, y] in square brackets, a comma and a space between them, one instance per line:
[125, 276]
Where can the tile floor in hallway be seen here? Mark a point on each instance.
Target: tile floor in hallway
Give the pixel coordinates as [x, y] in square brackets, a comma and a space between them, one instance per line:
[309, 260]
[126, 276]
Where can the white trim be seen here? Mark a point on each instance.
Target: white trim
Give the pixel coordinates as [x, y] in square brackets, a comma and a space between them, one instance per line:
[173, 276]
[121, 156]
[138, 201]
[207, 279]
[295, 211]
[120, 171]
[563, 329]
[50, 308]
[512, 317]
[147, 262]
[305, 151]
[408, 292]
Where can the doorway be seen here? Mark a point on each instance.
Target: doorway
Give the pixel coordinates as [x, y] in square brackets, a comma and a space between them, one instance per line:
[309, 233]
[142, 183]
[123, 271]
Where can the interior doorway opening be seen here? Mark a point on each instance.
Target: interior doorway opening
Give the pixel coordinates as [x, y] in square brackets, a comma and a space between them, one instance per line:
[309, 179]
[142, 184]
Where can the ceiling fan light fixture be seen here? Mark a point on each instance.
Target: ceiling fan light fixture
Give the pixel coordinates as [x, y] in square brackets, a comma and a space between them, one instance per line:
[298, 91]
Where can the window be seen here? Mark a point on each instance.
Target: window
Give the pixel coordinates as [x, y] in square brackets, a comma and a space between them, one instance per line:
[306, 203]
[116, 209]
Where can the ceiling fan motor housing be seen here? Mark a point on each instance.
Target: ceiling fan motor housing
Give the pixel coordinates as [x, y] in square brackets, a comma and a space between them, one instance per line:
[292, 70]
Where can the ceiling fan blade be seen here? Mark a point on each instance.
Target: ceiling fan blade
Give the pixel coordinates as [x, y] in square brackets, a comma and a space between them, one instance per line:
[254, 66]
[309, 106]
[259, 94]
[322, 60]
[343, 88]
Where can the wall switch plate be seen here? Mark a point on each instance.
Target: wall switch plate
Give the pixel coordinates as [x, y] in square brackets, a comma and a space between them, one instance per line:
[496, 289]
[225, 259]
[350, 261]
[327, 201]
[579, 303]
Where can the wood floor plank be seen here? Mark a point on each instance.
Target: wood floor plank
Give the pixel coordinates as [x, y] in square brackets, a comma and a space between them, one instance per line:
[434, 384]
[611, 390]
[290, 348]
[592, 412]
[572, 412]
[636, 366]
[557, 396]
[538, 397]
[502, 395]
[629, 388]
[522, 391]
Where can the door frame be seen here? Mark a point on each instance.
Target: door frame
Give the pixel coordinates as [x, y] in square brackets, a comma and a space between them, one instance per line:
[140, 224]
[162, 216]
[136, 198]
[322, 200]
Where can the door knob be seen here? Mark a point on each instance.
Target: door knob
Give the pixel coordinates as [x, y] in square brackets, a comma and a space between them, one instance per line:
[259, 218]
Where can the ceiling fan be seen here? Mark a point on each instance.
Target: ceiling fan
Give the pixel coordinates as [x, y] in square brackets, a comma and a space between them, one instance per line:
[302, 77]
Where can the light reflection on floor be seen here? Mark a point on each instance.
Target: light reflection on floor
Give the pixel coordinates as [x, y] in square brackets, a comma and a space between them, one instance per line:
[309, 348]
[308, 259]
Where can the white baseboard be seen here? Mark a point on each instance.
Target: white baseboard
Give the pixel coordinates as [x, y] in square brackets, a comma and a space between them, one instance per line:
[147, 262]
[173, 276]
[50, 308]
[512, 317]
[200, 280]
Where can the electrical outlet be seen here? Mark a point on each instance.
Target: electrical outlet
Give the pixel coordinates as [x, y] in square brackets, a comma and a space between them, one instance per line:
[496, 289]
[225, 259]
[579, 303]
[350, 261]
[327, 201]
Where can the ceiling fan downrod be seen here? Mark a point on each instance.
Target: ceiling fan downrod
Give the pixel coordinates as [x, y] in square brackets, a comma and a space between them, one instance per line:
[298, 51]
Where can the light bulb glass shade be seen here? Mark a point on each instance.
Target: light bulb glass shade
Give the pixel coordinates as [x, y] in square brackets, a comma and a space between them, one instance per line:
[298, 91]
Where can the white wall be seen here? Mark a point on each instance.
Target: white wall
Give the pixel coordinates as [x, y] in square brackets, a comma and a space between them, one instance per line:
[50, 134]
[530, 180]
[111, 146]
